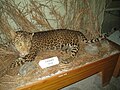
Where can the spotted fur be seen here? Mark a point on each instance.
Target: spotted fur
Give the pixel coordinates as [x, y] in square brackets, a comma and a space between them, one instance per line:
[29, 44]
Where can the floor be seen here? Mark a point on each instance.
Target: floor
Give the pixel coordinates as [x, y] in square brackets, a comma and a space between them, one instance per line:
[94, 83]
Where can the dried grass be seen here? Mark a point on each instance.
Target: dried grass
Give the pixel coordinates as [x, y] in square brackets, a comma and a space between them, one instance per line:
[5, 29]
[39, 15]
[31, 17]
[13, 11]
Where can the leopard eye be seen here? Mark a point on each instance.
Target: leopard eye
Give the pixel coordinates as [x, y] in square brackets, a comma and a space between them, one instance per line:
[20, 44]
[29, 44]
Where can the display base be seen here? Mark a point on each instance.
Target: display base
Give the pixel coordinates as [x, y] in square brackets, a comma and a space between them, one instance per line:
[105, 66]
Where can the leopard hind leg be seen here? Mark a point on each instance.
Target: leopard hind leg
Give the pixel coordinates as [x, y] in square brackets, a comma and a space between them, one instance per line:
[72, 50]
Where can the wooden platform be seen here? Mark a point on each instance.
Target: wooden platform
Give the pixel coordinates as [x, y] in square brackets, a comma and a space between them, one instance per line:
[105, 66]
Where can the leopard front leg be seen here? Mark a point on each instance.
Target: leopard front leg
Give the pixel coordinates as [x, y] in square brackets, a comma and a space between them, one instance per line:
[28, 58]
[18, 62]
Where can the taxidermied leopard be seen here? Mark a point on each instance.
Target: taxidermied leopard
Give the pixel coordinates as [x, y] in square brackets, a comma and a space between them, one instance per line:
[29, 44]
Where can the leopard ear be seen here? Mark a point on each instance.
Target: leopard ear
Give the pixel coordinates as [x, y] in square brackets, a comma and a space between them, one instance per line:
[13, 34]
[31, 35]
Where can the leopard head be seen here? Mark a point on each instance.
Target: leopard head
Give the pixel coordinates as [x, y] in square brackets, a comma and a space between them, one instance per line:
[22, 42]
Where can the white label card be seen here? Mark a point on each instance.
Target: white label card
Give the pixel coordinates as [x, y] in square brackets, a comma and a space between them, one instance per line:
[48, 62]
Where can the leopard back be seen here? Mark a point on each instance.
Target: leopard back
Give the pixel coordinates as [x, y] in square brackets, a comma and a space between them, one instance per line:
[54, 39]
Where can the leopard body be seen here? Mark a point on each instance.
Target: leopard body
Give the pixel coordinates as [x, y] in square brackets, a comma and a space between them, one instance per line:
[29, 44]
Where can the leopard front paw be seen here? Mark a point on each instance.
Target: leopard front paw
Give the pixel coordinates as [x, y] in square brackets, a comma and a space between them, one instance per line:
[17, 62]
[28, 58]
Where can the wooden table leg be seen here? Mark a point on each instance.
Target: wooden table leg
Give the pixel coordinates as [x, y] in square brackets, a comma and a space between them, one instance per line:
[117, 68]
[106, 76]
[108, 71]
